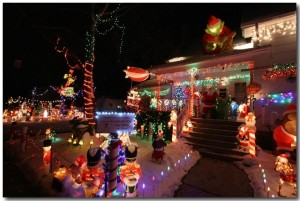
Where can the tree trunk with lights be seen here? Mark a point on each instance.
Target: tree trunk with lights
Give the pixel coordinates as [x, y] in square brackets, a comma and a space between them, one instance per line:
[88, 65]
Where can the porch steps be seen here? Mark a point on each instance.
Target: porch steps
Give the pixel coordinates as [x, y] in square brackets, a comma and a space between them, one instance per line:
[215, 138]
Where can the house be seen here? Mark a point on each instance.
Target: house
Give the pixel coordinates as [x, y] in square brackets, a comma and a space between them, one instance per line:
[264, 67]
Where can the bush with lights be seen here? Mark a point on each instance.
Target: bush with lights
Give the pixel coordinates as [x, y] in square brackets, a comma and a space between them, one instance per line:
[158, 119]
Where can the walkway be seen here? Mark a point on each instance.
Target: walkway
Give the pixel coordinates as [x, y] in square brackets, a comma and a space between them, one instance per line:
[215, 178]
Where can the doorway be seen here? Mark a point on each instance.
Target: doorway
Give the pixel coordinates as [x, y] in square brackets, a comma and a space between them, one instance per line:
[240, 91]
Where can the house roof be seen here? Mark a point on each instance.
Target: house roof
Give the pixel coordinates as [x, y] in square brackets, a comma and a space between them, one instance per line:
[206, 60]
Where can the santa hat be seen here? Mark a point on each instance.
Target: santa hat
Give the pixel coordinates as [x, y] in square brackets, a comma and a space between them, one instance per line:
[131, 152]
[283, 158]
[47, 143]
[291, 108]
[213, 21]
[80, 161]
[93, 156]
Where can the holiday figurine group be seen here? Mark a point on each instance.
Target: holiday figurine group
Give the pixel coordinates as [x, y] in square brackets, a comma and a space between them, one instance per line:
[158, 145]
[131, 171]
[287, 173]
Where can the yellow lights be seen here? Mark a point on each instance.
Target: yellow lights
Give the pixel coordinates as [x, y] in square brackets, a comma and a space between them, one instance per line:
[60, 173]
[176, 59]
[243, 46]
[80, 142]
[91, 142]
[70, 140]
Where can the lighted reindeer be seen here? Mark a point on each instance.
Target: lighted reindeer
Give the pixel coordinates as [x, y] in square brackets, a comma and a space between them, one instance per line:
[287, 173]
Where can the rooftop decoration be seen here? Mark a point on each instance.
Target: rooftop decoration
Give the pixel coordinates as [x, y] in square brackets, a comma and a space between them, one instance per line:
[280, 70]
[136, 74]
[217, 38]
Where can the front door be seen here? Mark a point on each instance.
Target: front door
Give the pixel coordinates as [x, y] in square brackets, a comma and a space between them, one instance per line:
[240, 92]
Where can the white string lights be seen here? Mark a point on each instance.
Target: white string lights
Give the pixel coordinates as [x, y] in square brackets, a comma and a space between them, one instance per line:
[267, 33]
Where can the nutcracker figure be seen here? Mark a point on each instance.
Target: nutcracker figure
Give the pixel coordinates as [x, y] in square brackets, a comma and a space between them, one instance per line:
[47, 155]
[131, 172]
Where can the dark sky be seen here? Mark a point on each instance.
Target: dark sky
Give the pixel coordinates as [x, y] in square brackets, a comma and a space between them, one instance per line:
[154, 33]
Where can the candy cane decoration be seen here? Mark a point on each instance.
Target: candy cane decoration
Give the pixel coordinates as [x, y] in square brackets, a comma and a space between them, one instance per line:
[113, 168]
[252, 142]
[243, 133]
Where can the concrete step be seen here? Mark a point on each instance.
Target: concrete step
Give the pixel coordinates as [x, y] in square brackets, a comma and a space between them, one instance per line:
[215, 126]
[210, 142]
[215, 131]
[218, 136]
[235, 151]
[216, 121]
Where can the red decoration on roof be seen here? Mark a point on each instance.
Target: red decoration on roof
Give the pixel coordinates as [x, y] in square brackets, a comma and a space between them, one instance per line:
[136, 74]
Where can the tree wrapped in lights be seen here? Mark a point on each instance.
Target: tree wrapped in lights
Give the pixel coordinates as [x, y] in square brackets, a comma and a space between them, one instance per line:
[104, 17]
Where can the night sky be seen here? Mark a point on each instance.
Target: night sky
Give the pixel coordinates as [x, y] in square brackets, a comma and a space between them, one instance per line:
[154, 33]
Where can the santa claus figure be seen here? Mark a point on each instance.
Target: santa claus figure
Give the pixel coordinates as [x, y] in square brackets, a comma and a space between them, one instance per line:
[47, 155]
[131, 172]
[93, 178]
[217, 38]
[244, 132]
[209, 102]
[158, 146]
[242, 112]
[287, 173]
[285, 133]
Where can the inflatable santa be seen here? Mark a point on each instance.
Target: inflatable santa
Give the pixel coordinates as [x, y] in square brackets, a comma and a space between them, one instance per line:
[209, 102]
[217, 38]
[131, 172]
[285, 133]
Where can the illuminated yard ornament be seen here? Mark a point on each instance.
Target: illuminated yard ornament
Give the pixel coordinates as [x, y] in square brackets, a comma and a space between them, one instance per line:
[246, 136]
[136, 74]
[287, 173]
[131, 171]
[47, 155]
[217, 38]
[93, 179]
[70, 78]
[158, 145]
[133, 99]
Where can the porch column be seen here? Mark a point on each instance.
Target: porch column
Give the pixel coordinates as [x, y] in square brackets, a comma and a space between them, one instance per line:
[192, 73]
[159, 102]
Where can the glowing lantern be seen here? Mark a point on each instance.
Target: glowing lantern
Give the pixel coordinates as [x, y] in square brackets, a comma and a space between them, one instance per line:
[253, 88]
